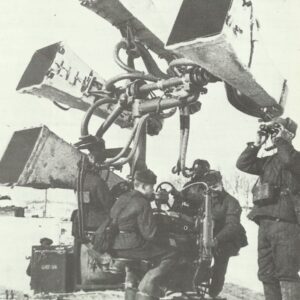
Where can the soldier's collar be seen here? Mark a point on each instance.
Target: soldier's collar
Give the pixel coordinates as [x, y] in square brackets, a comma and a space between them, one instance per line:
[221, 195]
[138, 193]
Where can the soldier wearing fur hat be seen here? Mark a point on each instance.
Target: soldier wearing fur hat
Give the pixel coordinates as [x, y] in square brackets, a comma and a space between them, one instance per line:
[136, 237]
[276, 197]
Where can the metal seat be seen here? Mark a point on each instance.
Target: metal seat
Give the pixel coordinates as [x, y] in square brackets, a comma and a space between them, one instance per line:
[119, 265]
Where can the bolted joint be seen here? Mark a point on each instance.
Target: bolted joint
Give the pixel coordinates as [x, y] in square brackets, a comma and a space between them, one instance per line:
[133, 51]
[133, 89]
[154, 125]
[123, 100]
[136, 108]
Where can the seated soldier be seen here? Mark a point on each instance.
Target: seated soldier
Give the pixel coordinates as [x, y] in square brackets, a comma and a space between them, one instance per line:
[136, 237]
[229, 234]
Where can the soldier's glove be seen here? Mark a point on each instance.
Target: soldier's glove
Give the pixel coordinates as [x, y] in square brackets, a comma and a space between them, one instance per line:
[261, 137]
[215, 247]
[213, 243]
[175, 193]
[283, 134]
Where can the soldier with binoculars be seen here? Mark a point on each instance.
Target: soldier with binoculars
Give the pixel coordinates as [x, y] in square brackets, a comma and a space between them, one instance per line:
[276, 199]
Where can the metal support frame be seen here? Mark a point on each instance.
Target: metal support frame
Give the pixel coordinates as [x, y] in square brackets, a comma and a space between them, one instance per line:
[139, 158]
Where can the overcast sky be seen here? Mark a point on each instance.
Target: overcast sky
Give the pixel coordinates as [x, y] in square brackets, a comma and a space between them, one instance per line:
[219, 132]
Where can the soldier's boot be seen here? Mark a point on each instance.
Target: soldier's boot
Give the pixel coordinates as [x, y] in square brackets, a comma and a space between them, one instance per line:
[272, 291]
[130, 293]
[290, 290]
[143, 296]
[131, 282]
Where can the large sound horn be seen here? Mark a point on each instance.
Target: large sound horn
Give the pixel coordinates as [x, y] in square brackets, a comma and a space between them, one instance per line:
[55, 72]
[38, 158]
[222, 37]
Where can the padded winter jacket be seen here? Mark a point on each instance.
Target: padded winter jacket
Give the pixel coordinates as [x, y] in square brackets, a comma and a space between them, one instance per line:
[226, 212]
[282, 171]
[134, 217]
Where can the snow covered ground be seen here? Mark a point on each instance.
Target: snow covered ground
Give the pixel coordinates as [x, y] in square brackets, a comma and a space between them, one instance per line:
[242, 269]
[17, 235]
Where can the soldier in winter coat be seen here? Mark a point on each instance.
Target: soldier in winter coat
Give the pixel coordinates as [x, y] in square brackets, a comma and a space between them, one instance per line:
[229, 234]
[137, 234]
[276, 210]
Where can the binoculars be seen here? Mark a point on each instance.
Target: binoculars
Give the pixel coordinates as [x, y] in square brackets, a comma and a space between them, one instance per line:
[270, 128]
[287, 125]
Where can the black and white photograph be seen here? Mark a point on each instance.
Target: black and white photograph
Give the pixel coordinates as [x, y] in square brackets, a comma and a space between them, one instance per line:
[149, 150]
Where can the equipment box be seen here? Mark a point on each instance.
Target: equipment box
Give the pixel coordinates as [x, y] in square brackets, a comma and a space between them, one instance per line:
[52, 269]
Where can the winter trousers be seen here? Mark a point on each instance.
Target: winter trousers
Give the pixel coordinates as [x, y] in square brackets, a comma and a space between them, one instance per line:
[163, 260]
[279, 259]
[150, 284]
[218, 274]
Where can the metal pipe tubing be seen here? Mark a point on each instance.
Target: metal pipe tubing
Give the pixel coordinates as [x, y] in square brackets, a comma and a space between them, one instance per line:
[135, 143]
[109, 120]
[150, 106]
[162, 84]
[130, 61]
[150, 63]
[110, 83]
[122, 45]
[184, 137]
[183, 154]
[89, 113]
[185, 119]
[138, 161]
[125, 148]
[178, 168]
